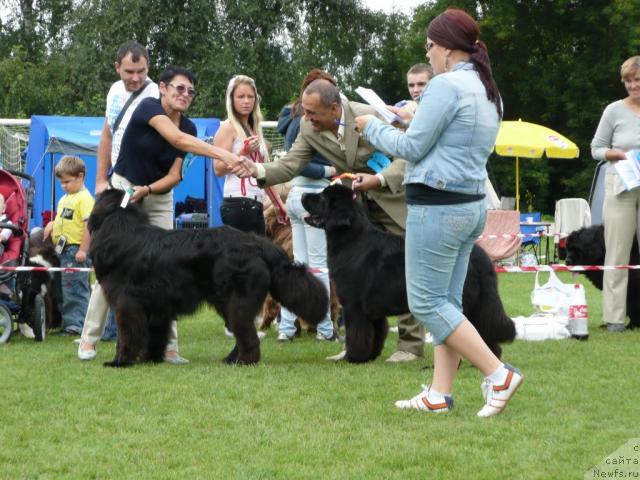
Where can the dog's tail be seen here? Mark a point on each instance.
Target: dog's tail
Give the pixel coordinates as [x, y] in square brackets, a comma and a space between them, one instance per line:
[295, 287]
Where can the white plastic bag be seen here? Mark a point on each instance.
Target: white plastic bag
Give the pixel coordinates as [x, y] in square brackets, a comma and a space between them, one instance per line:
[541, 326]
[552, 297]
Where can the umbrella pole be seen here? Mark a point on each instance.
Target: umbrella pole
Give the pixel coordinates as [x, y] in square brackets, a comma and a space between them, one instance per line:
[517, 186]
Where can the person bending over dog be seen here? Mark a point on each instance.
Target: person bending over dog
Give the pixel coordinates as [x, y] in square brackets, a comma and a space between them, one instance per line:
[328, 128]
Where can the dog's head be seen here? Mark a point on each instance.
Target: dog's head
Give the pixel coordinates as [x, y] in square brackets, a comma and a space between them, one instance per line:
[586, 246]
[108, 203]
[334, 208]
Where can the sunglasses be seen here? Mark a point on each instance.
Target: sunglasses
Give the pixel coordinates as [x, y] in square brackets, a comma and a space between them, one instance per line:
[183, 90]
[429, 45]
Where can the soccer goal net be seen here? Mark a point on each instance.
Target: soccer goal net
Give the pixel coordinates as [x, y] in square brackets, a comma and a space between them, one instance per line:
[14, 136]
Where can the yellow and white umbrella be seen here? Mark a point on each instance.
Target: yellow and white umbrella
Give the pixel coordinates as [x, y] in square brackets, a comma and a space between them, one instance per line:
[529, 140]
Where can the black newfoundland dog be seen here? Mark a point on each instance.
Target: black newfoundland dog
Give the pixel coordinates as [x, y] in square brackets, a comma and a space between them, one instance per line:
[367, 266]
[150, 276]
[586, 247]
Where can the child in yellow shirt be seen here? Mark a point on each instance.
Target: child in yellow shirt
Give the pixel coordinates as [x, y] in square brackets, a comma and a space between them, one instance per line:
[70, 235]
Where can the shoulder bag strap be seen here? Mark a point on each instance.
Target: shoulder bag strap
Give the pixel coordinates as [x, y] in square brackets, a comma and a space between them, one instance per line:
[133, 96]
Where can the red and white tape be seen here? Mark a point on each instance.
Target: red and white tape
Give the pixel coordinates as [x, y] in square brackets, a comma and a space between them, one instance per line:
[563, 268]
[525, 235]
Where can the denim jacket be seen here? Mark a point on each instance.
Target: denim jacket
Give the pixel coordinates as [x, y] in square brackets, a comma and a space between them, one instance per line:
[451, 136]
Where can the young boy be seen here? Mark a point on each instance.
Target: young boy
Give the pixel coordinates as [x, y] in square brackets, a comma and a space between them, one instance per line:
[71, 238]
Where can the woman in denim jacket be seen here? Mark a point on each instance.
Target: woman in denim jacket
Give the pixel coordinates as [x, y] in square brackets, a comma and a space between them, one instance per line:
[446, 148]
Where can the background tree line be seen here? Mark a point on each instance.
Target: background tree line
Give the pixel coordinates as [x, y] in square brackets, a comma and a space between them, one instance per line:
[556, 61]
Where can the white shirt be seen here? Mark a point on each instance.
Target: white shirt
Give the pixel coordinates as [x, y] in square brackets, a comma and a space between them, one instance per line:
[116, 98]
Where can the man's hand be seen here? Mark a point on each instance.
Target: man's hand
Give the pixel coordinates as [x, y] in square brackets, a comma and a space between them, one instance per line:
[245, 169]
[361, 122]
[365, 181]
[101, 186]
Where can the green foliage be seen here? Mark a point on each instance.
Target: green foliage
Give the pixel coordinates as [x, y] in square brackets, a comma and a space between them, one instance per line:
[556, 62]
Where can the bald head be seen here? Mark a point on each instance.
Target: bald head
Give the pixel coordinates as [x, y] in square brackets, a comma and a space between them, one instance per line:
[322, 105]
[326, 90]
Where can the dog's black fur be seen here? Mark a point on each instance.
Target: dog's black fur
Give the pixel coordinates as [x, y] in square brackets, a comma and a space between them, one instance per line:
[367, 266]
[586, 247]
[150, 276]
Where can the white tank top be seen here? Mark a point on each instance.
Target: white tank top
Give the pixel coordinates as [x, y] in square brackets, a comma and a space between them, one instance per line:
[235, 186]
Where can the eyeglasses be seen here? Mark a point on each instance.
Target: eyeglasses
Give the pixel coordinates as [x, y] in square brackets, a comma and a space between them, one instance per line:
[429, 45]
[184, 90]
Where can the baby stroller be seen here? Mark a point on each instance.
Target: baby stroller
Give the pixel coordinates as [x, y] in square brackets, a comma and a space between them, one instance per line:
[21, 298]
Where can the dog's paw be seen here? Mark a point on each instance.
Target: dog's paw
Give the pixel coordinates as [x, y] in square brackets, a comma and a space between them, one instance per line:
[117, 364]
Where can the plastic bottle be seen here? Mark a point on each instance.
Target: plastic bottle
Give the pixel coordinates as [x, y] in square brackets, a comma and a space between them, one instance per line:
[579, 314]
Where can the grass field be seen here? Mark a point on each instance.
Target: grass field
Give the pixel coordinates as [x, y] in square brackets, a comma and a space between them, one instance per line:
[297, 416]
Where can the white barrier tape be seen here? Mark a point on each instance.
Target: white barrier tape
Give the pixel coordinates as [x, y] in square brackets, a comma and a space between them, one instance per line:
[46, 269]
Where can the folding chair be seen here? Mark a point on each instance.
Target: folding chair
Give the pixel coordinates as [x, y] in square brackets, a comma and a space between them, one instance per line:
[499, 223]
[571, 214]
[527, 226]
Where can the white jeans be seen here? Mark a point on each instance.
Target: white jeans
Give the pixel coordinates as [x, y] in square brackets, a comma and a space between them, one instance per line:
[310, 248]
[160, 211]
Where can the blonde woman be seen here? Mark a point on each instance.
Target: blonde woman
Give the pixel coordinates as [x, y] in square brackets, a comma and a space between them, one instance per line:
[241, 134]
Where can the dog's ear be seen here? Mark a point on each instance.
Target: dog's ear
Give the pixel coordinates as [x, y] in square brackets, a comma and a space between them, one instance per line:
[339, 219]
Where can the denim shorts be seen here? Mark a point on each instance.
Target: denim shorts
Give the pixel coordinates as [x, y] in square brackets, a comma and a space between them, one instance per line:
[438, 243]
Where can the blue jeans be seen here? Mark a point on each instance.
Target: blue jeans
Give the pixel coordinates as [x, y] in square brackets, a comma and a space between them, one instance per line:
[75, 291]
[310, 248]
[438, 245]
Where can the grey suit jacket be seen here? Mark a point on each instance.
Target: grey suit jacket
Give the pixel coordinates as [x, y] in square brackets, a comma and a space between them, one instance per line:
[353, 159]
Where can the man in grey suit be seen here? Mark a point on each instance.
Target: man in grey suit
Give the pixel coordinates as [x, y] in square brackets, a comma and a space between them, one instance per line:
[328, 127]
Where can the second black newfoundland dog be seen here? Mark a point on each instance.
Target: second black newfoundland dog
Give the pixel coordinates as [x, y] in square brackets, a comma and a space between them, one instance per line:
[150, 276]
[367, 266]
[586, 247]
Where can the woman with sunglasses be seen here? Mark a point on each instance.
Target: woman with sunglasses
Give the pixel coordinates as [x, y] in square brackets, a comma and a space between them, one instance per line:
[446, 148]
[241, 134]
[151, 153]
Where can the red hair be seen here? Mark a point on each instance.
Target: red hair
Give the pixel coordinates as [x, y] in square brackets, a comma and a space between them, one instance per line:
[456, 30]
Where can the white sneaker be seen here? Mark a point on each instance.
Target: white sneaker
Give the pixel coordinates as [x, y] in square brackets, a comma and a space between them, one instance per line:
[283, 337]
[86, 354]
[497, 396]
[228, 333]
[393, 329]
[261, 334]
[428, 338]
[402, 357]
[421, 403]
[26, 330]
[337, 357]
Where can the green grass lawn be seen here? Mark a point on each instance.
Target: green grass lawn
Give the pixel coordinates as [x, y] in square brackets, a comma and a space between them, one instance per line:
[297, 416]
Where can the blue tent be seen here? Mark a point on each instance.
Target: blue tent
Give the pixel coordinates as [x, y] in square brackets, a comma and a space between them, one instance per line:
[52, 137]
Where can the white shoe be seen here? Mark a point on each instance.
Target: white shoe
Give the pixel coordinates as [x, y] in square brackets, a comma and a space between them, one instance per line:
[86, 354]
[26, 330]
[174, 358]
[393, 329]
[421, 402]
[428, 338]
[228, 333]
[261, 334]
[402, 357]
[283, 337]
[497, 396]
[338, 357]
